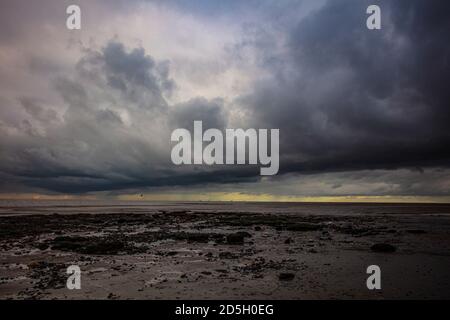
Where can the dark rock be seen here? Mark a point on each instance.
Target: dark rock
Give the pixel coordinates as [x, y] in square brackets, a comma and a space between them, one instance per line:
[88, 245]
[257, 228]
[303, 227]
[221, 270]
[383, 247]
[244, 234]
[288, 241]
[112, 296]
[286, 276]
[198, 237]
[227, 255]
[416, 231]
[48, 275]
[42, 246]
[235, 238]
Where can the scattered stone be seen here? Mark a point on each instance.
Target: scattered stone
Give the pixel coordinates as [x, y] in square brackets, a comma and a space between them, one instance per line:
[112, 296]
[286, 276]
[416, 231]
[42, 246]
[221, 270]
[303, 227]
[383, 247]
[88, 245]
[245, 234]
[48, 275]
[227, 255]
[235, 238]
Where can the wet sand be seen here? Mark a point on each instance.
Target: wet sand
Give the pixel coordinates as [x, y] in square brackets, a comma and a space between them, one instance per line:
[200, 251]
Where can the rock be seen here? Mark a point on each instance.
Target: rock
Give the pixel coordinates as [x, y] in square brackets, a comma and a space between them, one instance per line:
[221, 270]
[111, 296]
[48, 275]
[235, 238]
[227, 255]
[303, 227]
[198, 237]
[383, 247]
[288, 241]
[257, 228]
[416, 231]
[286, 276]
[244, 234]
[88, 245]
[42, 246]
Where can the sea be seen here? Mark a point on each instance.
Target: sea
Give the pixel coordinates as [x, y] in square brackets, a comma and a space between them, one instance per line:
[31, 207]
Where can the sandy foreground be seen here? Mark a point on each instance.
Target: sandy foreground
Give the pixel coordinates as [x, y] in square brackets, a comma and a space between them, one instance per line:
[191, 253]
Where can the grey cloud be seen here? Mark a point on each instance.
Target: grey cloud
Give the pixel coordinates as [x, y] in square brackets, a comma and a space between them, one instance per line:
[37, 111]
[210, 112]
[349, 103]
[134, 74]
[108, 116]
[349, 98]
[108, 137]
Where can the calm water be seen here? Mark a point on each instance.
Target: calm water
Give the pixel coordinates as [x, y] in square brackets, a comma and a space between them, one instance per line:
[19, 207]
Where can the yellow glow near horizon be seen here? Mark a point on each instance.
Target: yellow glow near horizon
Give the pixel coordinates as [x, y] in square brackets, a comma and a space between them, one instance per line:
[244, 197]
[229, 196]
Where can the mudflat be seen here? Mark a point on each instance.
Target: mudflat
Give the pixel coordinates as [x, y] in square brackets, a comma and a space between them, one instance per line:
[247, 251]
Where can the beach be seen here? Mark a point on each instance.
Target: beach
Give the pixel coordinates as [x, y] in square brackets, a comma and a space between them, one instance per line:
[219, 250]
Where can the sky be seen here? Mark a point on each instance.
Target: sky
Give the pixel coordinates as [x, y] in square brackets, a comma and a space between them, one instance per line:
[363, 114]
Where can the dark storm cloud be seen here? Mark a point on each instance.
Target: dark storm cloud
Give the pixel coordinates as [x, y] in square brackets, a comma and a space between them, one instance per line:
[345, 98]
[110, 136]
[210, 112]
[136, 75]
[350, 98]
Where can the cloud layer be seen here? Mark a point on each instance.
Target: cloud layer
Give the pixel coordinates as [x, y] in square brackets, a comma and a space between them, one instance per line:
[93, 110]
